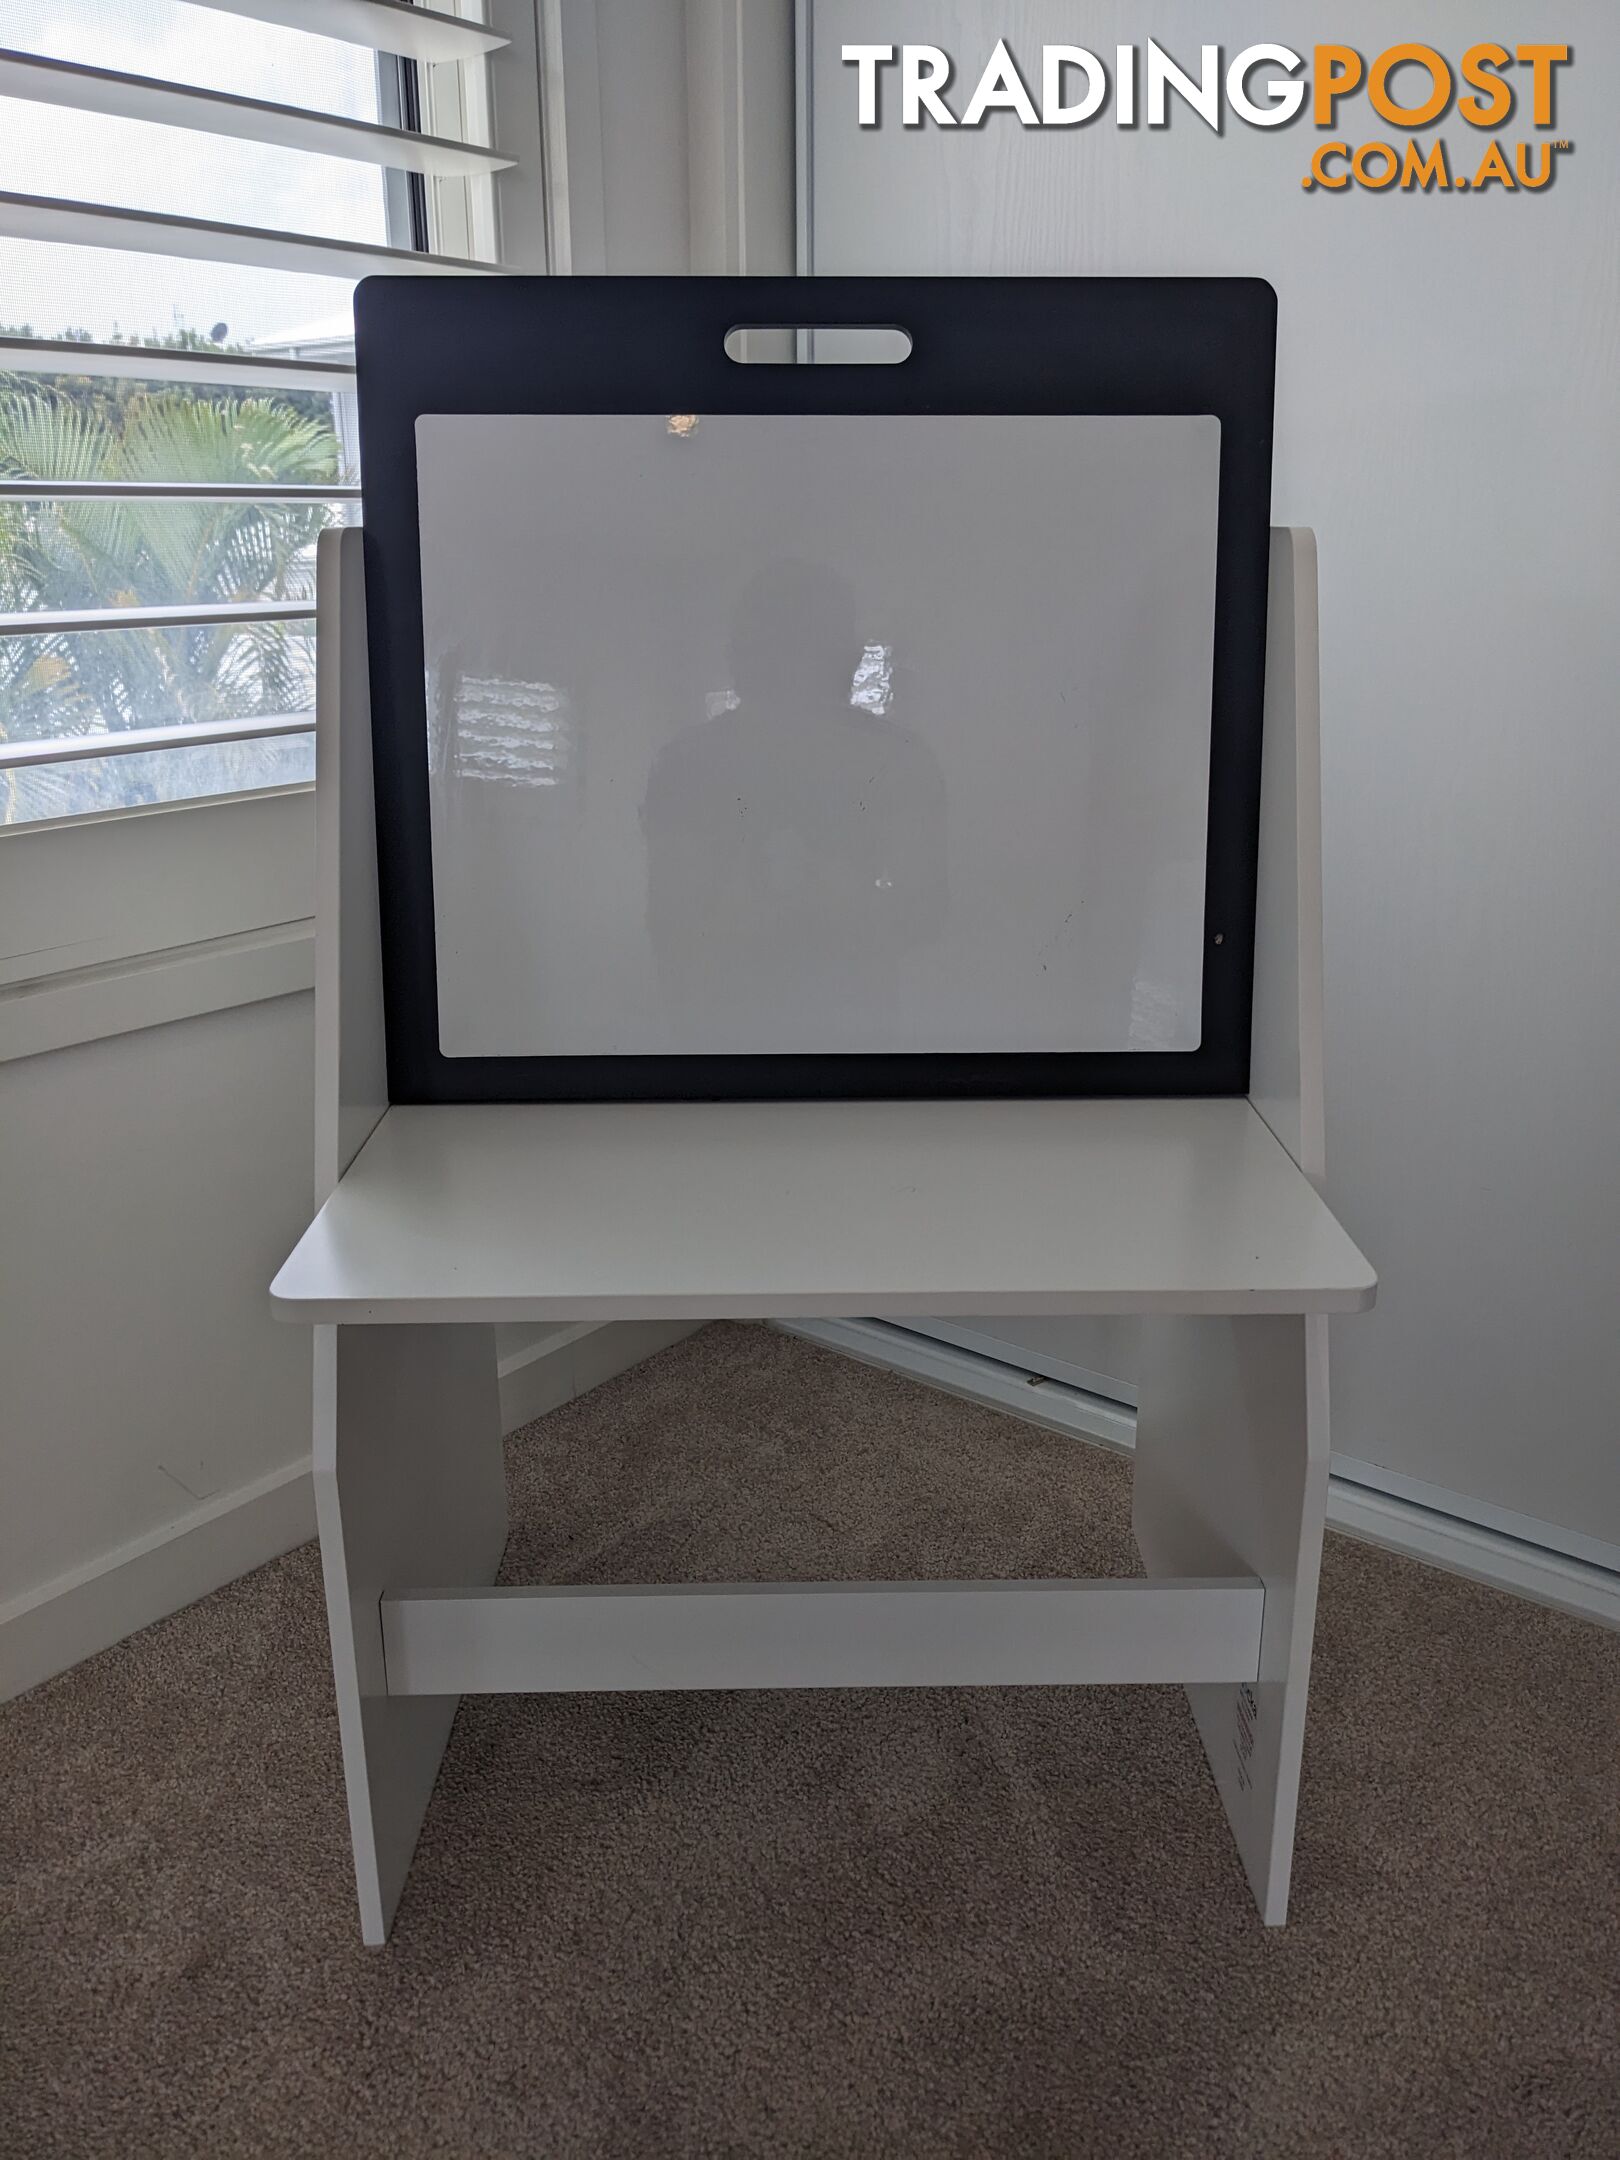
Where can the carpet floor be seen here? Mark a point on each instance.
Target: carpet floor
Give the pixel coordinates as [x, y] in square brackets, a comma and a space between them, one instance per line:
[911, 1922]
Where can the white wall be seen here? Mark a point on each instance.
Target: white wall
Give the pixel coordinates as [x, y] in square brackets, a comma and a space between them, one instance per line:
[156, 1418]
[153, 1184]
[1448, 422]
[156, 1161]
[642, 76]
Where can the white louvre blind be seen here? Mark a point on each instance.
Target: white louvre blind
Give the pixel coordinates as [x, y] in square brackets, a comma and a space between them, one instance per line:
[189, 190]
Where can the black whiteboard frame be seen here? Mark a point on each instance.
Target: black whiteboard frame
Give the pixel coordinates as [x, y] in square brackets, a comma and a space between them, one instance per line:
[979, 345]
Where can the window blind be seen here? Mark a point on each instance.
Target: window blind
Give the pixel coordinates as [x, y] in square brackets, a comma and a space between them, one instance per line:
[188, 190]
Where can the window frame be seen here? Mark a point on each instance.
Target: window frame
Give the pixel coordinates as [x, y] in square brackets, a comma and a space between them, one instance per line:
[429, 89]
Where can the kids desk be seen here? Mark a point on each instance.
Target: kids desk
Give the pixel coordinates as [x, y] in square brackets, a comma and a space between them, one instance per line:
[439, 1218]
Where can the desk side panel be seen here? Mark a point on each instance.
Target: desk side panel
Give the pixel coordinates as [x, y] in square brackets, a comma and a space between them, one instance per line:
[351, 1072]
[1285, 1070]
[410, 1488]
[1231, 1477]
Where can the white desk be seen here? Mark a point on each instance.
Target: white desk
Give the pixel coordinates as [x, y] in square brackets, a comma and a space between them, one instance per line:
[502, 1212]
[1203, 1217]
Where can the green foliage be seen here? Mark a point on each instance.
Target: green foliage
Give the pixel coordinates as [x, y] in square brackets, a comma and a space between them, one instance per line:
[76, 555]
[111, 395]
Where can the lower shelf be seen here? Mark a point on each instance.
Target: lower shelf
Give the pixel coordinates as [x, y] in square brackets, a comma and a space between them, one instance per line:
[775, 1635]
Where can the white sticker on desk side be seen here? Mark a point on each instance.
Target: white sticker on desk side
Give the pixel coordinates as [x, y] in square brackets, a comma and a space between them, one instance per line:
[818, 733]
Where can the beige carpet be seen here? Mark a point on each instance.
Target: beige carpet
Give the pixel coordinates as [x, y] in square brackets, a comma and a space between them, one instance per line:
[916, 1923]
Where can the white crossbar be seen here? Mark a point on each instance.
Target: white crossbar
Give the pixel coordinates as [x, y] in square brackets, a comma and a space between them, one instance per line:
[769, 1635]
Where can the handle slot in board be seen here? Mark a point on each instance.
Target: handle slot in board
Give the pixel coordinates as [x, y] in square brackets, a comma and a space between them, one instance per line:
[818, 344]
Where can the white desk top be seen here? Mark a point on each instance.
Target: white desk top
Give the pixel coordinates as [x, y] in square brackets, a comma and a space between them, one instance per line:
[779, 1210]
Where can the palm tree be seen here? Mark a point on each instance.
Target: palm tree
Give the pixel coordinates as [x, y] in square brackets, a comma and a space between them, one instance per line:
[76, 555]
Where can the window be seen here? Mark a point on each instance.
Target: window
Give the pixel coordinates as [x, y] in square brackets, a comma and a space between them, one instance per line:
[189, 190]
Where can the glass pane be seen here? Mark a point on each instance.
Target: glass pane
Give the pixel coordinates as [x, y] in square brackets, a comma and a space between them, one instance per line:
[106, 427]
[153, 554]
[100, 681]
[50, 290]
[180, 171]
[60, 556]
[155, 776]
[137, 165]
[214, 50]
[57, 556]
[115, 296]
[92, 157]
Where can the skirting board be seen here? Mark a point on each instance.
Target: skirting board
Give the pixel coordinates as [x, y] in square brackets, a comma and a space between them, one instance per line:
[556, 1363]
[1464, 1548]
[1503, 1552]
[73, 1616]
[955, 1370]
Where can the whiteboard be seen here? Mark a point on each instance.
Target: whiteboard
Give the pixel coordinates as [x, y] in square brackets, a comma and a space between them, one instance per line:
[817, 733]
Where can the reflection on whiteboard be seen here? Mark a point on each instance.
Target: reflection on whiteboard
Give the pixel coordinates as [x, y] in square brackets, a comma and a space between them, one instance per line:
[818, 733]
